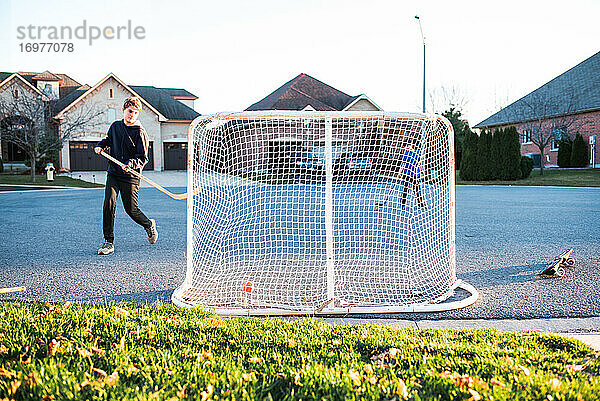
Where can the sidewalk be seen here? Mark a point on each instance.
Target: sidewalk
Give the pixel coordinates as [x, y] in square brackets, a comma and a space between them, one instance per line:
[169, 178]
[586, 330]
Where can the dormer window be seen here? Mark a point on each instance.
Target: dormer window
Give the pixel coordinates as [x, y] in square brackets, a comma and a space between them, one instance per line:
[111, 94]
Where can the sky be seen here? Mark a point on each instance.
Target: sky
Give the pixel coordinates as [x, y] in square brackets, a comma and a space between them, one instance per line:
[232, 53]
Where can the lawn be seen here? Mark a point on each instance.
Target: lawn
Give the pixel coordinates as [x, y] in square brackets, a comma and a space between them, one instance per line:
[40, 179]
[161, 352]
[552, 177]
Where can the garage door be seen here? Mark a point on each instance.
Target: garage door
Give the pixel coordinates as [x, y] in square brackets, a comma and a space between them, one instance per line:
[175, 156]
[83, 158]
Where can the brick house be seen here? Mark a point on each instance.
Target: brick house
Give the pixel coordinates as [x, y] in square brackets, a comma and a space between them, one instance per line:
[166, 116]
[279, 146]
[568, 104]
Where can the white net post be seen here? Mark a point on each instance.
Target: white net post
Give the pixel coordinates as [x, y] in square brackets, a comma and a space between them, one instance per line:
[321, 212]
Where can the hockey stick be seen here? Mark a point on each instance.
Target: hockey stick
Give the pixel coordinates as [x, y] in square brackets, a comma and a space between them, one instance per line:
[13, 289]
[148, 180]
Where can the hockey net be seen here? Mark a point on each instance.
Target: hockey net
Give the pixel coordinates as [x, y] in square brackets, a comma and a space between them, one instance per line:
[320, 212]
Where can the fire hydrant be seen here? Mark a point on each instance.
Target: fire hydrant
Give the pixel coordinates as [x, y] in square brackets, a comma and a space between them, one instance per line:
[50, 172]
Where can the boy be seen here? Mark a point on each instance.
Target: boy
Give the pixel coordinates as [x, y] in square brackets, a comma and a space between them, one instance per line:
[411, 170]
[127, 141]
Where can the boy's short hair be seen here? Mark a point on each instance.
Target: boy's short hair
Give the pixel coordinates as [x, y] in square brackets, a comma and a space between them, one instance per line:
[133, 101]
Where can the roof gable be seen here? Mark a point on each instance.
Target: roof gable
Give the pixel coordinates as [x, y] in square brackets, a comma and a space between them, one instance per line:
[161, 117]
[576, 90]
[7, 77]
[303, 91]
[47, 76]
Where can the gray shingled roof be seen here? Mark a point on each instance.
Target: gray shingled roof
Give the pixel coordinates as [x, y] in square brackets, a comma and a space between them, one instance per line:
[574, 91]
[179, 92]
[63, 102]
[302, 91]
[4, 75]
[165, 103]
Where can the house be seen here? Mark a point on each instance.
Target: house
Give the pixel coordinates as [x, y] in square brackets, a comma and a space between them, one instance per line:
[570, 103]
[166, 116]
[307, 93]
[45, 86]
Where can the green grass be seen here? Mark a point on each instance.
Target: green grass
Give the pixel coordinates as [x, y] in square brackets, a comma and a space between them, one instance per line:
[40, 179]
[552, 177]
[161, 352]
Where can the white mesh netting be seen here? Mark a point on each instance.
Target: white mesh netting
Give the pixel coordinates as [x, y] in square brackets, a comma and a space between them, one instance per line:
[319, 212]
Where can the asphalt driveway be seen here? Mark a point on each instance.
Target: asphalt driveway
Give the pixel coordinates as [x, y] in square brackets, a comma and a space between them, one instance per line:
[504, 237]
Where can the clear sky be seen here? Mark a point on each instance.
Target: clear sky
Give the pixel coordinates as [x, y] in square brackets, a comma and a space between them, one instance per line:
[233, 53]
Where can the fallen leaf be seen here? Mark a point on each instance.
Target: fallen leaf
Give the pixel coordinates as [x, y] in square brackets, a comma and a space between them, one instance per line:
[132, 369]
[14, 386]
[401, 389]
[248, 376]
[393, 352]
[524, 369]
[575, 368]
[554, 384]
[97, 350]
[33, 379]
[254, 359]
[47, 398]
[112, 379]
[121, 311]
[53, 346]
[205, 355]
[474, 395]
[497, 383]
[207, 393]
[84, 352]
[355, 377]
[100, 372]
[67, 304]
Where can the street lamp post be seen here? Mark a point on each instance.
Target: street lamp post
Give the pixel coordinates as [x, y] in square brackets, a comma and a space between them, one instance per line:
[423, 37]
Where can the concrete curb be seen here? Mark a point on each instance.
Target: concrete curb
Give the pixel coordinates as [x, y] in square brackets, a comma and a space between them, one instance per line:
[586, 330]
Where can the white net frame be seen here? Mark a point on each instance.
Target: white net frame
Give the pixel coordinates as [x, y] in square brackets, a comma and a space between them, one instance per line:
[321, 213]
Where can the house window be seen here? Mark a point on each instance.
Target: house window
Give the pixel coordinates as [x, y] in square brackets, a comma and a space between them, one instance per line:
[16, 93]
[526, 136]
[111, 115]
[557, 134]
[111, 94]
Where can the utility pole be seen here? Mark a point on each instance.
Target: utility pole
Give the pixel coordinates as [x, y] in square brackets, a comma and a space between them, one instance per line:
[423, 37]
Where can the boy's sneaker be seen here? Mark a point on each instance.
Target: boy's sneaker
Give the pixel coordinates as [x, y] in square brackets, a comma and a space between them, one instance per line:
[152, 232]
[107, 248]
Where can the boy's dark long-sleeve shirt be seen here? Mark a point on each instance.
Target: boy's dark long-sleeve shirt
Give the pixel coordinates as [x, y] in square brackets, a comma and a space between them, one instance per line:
[128, 144]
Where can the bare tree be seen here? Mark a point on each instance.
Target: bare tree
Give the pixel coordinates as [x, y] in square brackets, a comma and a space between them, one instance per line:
[544, 116]
[27, 122]
[444, 98]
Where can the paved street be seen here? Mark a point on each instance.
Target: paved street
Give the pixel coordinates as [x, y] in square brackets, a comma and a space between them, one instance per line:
[504, 236]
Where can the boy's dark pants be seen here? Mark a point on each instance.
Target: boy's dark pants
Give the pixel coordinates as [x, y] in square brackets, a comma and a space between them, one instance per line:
[129, 196]
[414, 182]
